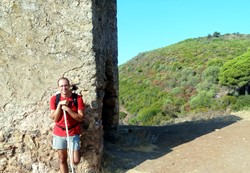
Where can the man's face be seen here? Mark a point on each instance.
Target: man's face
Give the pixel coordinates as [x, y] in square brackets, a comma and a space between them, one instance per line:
[64, 86]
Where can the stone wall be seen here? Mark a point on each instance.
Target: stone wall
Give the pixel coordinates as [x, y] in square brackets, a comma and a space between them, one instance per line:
[40, 41]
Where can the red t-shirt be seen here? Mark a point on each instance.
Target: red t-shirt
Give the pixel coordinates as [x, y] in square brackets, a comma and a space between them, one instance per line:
[70, 121]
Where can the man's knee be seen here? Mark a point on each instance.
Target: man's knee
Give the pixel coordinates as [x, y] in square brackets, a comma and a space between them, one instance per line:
[77, 157]
[76, 161]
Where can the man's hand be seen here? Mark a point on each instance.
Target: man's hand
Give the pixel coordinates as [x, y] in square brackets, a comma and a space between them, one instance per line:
[65, 108]
[64, 103]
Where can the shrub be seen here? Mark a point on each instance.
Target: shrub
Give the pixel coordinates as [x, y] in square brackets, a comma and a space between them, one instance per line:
[242, 102]
[122, 115]
[218, 62]
[228, 100]
[146, 115]
[204, 99]
[211, 72]
[223, 102]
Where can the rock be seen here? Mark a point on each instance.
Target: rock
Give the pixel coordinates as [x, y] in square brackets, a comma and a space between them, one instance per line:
[40, 42]
[3, 163]
[2, 136]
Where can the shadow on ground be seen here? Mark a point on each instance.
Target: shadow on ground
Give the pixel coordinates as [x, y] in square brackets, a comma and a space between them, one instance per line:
[130, 146]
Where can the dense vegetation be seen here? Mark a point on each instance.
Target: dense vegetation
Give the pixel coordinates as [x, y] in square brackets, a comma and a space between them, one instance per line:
[195, 75]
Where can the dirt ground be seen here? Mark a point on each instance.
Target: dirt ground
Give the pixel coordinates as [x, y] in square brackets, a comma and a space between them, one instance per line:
[217, 145]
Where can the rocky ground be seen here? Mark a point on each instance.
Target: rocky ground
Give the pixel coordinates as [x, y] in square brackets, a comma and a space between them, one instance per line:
[217, 145]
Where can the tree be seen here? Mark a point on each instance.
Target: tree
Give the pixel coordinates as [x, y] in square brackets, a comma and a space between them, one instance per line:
[236, 72]
[216, 34]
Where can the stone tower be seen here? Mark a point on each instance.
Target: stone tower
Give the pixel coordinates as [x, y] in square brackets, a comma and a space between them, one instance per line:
[40, 41]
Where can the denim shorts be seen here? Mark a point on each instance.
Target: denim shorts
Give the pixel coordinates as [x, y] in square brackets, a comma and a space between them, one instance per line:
[60, 142]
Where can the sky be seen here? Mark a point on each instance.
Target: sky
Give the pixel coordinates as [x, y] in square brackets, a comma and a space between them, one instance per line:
[145, 25]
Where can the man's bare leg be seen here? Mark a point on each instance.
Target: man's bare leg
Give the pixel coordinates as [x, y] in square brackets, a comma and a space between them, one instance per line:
[63, 165]
[76, 157]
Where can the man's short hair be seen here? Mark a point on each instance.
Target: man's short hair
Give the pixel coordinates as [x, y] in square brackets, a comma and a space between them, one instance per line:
[63, 78]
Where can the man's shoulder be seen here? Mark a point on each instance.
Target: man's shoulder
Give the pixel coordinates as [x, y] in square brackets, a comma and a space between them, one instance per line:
[53, 98]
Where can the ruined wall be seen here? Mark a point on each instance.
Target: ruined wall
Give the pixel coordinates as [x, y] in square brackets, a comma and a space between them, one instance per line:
[40, 41]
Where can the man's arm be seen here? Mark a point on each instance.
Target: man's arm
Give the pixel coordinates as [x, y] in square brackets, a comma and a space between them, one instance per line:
[78, 116]
[56, 114]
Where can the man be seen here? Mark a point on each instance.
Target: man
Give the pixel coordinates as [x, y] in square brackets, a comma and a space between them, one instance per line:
[74, 114]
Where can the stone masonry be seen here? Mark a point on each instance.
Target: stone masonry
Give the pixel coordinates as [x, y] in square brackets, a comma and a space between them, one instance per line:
[40, 41]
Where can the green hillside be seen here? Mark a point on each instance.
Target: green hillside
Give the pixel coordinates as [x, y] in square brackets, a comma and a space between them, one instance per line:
[194, 75]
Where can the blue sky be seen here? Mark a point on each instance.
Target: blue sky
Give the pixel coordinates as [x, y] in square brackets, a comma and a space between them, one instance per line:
[145, 25]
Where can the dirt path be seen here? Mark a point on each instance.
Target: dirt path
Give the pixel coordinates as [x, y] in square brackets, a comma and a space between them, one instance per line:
[212, 146]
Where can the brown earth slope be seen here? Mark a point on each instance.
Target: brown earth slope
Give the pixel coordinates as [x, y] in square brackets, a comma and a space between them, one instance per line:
[218, 145]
